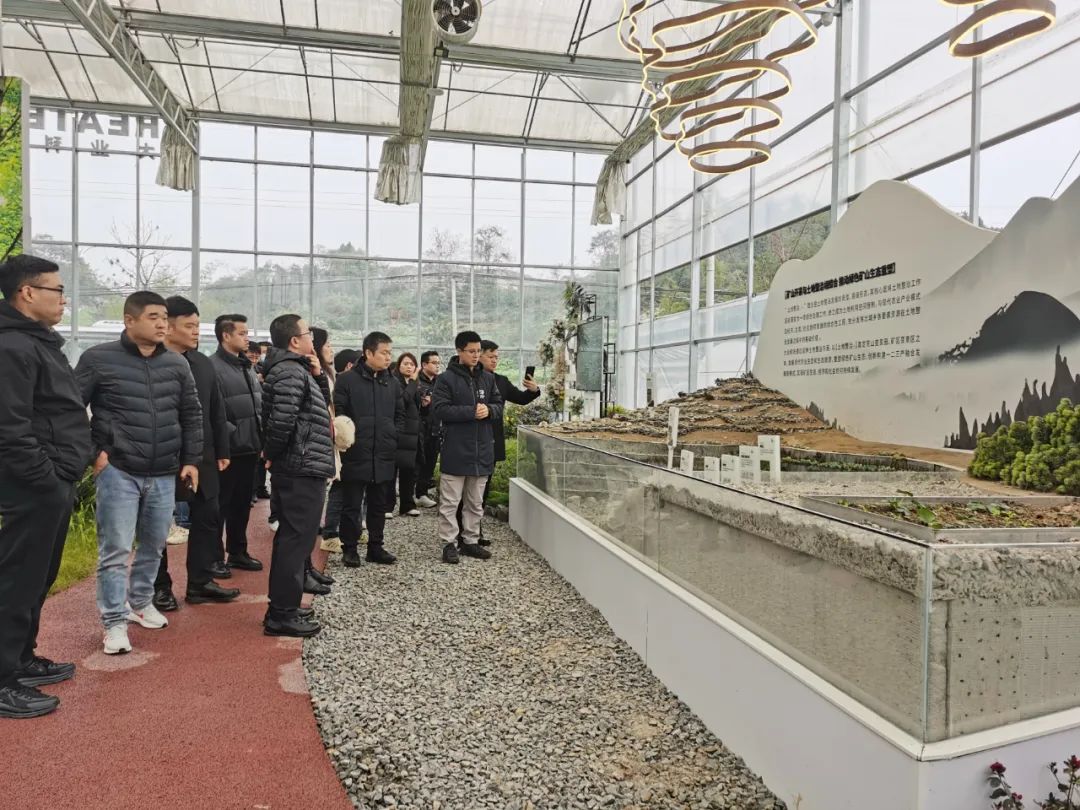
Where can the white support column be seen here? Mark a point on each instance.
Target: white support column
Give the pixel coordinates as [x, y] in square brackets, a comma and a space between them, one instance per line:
[841, 114]
[975, 167]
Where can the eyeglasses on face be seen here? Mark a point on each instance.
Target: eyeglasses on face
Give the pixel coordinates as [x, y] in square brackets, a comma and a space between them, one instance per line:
[59, 289]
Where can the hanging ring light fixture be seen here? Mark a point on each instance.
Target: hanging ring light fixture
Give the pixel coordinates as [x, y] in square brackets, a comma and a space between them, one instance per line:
[1040, 14]
[690, 101]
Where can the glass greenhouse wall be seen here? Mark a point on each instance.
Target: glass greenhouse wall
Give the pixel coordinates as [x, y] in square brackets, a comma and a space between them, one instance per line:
[285, 220]
[879, 97]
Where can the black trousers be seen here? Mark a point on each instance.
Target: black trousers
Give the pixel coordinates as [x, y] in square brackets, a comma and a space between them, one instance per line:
[406, 487]
[33, 527]
[425, 470]
[235, 497]
[461, 505]
[259, 482]
[300, 501]
[380, 500]
[203, 545]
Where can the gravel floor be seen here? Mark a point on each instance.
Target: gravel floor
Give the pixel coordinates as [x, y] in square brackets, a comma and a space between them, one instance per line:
[494, 684]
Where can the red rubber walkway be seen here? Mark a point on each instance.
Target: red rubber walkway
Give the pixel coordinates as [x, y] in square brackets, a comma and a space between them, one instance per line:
[205, 713]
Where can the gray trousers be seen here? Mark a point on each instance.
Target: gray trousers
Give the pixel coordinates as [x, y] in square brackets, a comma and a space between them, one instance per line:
[468, 490]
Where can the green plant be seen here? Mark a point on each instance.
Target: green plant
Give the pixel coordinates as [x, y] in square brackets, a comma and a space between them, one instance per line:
[577, 405]
[1003, 797]
[80, 548]
[1041, 454]
[504, 471]
[613, 409]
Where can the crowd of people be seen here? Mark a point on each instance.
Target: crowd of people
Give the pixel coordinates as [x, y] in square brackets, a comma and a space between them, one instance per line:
[336, 440]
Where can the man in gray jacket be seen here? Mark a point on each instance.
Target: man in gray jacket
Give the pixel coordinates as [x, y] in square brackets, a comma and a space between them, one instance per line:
[146, 425]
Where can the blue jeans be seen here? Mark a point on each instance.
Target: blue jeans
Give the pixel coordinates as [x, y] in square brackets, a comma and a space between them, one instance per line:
[182, 515]
[130, 506]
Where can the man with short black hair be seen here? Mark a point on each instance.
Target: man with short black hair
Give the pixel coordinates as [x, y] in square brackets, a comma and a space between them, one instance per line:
[147, 426]
[371, 398]
[430, 429]
[45, 441]
[299, 451]
[203, 537]
[242, 394]
[467, 402]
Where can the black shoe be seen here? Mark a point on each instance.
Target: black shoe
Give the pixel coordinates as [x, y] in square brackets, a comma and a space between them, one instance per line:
[305, 614]
[475, 551]
[351, 558]
[483, 541]
[294, 628]
[320, 577]
[450, 554]
[164, 600]
[313, 587]
[42, 672]
[245, 562]
[263, 494]
[220, 570]
[210, 592]
[379, 555]
[18, 701]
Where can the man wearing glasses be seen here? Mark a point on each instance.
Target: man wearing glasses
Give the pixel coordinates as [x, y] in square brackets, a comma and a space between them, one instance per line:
[45, 436]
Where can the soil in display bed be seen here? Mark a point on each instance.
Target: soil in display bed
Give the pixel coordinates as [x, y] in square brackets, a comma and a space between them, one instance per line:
[967, 515]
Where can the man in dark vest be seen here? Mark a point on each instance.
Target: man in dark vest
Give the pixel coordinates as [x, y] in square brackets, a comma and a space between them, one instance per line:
[45, 436]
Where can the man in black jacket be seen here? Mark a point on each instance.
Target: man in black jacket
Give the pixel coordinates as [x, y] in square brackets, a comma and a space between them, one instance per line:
[371, 398]
[467, 402]
[489, 359]
[430, 429]
[146, 424]
[203, 543]
[242, 392]
[299, 449]
[45, 436]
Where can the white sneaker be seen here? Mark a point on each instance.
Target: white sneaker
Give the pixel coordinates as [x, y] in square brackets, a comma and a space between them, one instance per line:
[273, 526]
[425, 502]
[149, 617]
[177, 536]
[413, 513]
[389, 515]
[116, 640]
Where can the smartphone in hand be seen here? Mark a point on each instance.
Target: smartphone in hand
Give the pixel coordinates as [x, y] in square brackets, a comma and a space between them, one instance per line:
[529, 372]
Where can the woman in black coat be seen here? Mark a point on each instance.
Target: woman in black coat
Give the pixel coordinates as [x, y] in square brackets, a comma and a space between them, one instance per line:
[409, 444]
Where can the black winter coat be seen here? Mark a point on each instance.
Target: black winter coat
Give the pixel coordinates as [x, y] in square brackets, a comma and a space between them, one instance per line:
[468, 444]
[242, 393]
[430, 425]
[297, 435]
[215, 426]
[145, 412]
[44, 429]
[408, 438]
[510, 393]
[373, 401]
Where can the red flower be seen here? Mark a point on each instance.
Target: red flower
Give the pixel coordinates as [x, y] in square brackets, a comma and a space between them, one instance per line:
[997, 768]
[1017, 797]
[1074, 762]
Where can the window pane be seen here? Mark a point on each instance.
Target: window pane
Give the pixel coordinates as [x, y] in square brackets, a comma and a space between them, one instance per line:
[548, 220]
[107, 198]
[164, 213]
[949, 185]
[283, 209]
[446, 294]
[498, 161]
[393, 229]
[446, 157]
[543, 302]
[447, 225]
[497, 305]
[587, 167]
[340, 211]
[50, 194]
[672, 291]
[227, 284]
[341, 294]
[226, 140]
[723, 277]
[109, 274]
[284, 145]
[341, 149]
[549, 164]
[393, 306]
[283, 287]
[594, 245]
[498, 221]
[227, 205]
[799, 240]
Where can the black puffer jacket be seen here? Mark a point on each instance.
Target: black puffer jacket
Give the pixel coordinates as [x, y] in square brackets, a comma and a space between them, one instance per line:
[510, 393]
[296, 420]
[44, 429]
[215, 426]
[468, 444]
[145, 412]
[408, 438]
[243, 401]
[373, 402]
[430, 425]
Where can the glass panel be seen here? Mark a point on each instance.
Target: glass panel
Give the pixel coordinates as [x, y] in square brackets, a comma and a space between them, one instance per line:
[284, 216]
[594, 245]
[227, 205]
[107, 198]
[447, 218]
[447, 157]
[284, 145]
[639, 200]
[724, 276]
[548, 217]
[549, 164]
[497, 305]
[672, 290]
[674, 179]
[393, 230]
[342, 288]
[602, 284]
[283, 287]
[587, 167]
[498, 222]
[799, 240]
[447, 295]
[227, 284]
[498, 161]
[164, 213]
[393, 304]
[226, 140]
[720, 360]
[949, 185]
[107, 276]
[50, 194]
[340, 211]
[543, 293]
[898, 29]
[341, 149]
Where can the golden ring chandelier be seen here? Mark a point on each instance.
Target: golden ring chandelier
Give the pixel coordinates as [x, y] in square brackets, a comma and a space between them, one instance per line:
[700, 69]
[1041, 14]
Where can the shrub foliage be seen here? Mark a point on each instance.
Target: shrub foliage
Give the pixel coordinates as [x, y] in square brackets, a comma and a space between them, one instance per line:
[1041, 453]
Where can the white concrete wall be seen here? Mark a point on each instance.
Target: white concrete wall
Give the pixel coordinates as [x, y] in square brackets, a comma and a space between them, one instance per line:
[815, 748]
